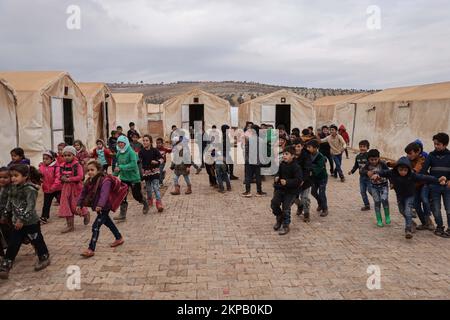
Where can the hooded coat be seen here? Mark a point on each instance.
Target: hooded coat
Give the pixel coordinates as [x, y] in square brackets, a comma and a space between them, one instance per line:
[127, 162]
[406, 186]
[343, 132]
[51, 181]
[22, 203]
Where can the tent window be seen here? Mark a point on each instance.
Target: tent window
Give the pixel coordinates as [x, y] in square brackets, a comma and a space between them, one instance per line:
[402, 115]
[196, 100]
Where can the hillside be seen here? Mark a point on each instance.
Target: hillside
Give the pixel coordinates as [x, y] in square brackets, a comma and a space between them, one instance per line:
[233, 91]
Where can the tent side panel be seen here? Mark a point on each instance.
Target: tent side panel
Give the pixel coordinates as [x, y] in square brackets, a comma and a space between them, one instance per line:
[8, 129]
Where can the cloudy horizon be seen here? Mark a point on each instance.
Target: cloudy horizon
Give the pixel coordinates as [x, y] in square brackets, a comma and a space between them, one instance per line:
[290, 43]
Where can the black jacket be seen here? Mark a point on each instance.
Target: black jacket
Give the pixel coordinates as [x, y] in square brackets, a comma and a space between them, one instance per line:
[305, 163]
[292, 173]
[405, 186]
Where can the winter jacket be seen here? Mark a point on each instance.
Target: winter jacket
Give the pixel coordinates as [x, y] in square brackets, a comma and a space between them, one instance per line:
[319, 171]
[136, 146]
[292, 173]
[98, 190]
[74, 171]
[23, 161]
[438, 164]
[108, 155]
[51, 177]
[112, 144]
[360, 161]
[83, 157]
[305, 163]
[22, 203]
[4, 194]
[343, 132]
[324, 148]
[406, 186]
[150, 170]
[127, 162]
[164, 151]
[337, 144]
[382, 166]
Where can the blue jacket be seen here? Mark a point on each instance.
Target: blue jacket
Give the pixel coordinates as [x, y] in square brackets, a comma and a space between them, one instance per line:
[438, 164]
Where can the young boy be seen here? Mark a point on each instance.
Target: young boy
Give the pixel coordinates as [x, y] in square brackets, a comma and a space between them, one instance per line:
[112, 145]
[438, 165]
[404, 180]
[287, 182]
[319, 178]
[163, 151]
[221, 170]
[364, 181]
[337, 148]
[379, 185]
[303, 158]
[135, 144]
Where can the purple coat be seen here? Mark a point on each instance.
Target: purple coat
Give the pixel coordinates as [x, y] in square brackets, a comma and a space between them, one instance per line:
[101, 195]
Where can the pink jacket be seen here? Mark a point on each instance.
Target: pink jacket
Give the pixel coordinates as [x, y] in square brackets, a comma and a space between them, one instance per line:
[51, 181]
[74, 171]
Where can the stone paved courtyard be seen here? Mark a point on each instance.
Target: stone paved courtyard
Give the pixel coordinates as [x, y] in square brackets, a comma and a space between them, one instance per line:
[213, 246]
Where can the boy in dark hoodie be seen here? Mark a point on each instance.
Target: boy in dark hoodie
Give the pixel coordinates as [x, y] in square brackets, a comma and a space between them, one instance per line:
[303, 158]
[287, 182]
[364, 182]
[404, 180]
[438, 165]
[319, 177]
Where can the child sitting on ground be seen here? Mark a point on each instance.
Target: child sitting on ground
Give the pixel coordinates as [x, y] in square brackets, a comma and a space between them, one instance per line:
[364, 181]
[404, 180]
[22, 204]
[319, 178]
[287, 183]
[379, 185]
[95, 195]
[51, 182]
[18, 157]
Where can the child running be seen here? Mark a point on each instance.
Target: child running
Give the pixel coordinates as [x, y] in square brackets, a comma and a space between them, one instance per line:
[72, 176]
[151, 160]
[22, 204]
[180, 168]
[404, 180]
[379, 185]
[287, 183]
[18, 157]
[95, 195]
[82, 154]
[51, 182]
[303, 158]
[163, 151]
[103, 155]
[361, 161]
[319, 178]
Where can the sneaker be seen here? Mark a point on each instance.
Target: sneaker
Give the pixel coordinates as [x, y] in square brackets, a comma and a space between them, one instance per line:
[284, 230]
[234, 178]
[87, 219]
[440, 232]
[342, 179]
[117, 243]
[87, 254]
[247, 194]
[319, 209]
[324, 213]
[448, 232]
[365, 208]
[5, 267]
[261, 194]
[408, 234]
[42, 263]
[299, 210]
[278, 223]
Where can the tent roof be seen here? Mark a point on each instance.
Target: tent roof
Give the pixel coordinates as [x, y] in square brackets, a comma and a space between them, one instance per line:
[154, 108]
[32, 80]
[335, 100]
[6, 85]
[276, 93]
[128, 97]
[91, 89]
[433, 91]
[196, 92]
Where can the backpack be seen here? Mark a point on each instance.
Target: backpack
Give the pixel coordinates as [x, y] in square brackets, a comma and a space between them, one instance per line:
[118, 192]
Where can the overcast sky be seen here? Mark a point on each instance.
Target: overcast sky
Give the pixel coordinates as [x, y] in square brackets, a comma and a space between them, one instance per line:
[292, 42]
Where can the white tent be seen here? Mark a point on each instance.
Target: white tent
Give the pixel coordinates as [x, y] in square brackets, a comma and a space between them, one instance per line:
[50, 109]
[101, 109]
[8, 129]
[155, 122]
[280, 107]
[130, 107]
[196, 105]
[395, 117]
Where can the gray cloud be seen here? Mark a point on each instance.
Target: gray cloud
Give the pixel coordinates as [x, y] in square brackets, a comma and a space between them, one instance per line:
[301, 43]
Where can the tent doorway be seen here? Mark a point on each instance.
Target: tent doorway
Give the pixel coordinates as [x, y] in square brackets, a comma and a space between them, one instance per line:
[283, 116]
[103, 122]
[69, 136]
[196, 114]
[62, 126]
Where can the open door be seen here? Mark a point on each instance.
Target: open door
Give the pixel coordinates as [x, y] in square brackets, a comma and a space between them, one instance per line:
[57, 122]
[69, 128]
[106, 120]
[283, 116]
[196, 116]
[185, 117]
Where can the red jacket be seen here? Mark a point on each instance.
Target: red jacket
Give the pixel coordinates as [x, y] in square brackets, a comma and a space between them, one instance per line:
[51, 181]
[108, 155]
[344, 134]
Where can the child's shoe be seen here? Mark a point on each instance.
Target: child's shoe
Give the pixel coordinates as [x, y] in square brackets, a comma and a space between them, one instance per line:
[159, 206]
[176, 191]
[247, 194]
[87, 219]
[145, 208]
[88, 253]
[284, 230]
[5, 267]
[117, 243]
[300, 210]
[430, 224]
[277, 225]
[319, 209]
[365, 208]
[306, 217]
[261, 194]
[42, 263]
[229, 189]
[387, 216]
[440, 231]
[408, 234]
[150, 202]
[379, 219]
[189, 189]
[324, 213]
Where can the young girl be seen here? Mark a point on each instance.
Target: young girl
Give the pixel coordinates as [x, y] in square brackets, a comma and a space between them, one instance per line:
[102, 154]
[51, 182]
[60, 157]
[180, 169]
[82, 154]
[22, 204]
[151, 160]
[5, 222]
[72, 175]
[18, 157]
[95, 195]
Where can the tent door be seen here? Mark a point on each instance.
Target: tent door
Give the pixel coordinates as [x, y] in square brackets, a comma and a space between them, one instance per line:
[268, 114]
[69, 130]
[62, 126]
[185, 116]
[283, 116]
[196, 115]
[106, 120]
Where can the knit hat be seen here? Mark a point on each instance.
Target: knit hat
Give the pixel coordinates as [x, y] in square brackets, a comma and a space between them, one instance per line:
[50, 154]
[70, 149]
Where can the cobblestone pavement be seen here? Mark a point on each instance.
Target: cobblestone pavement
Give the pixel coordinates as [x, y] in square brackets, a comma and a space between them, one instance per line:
[214, 246]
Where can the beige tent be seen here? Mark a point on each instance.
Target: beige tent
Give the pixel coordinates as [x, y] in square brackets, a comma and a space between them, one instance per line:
[280, 107]
[101, 109]
[196, 105]
[155, 123]
[130, 107]
[8, 129]
[51, 109]
[395, 117]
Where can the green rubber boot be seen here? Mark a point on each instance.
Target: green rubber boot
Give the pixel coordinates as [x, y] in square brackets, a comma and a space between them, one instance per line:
[387, 216]
[379, 219]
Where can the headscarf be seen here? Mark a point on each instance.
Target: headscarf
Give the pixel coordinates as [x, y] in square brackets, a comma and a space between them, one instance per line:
[125, 140]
